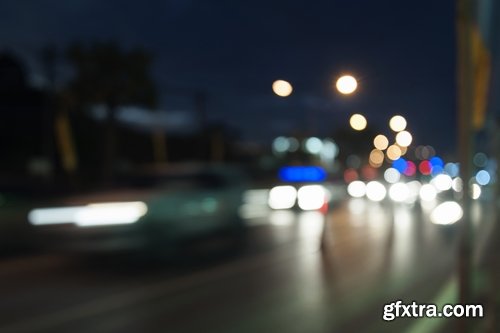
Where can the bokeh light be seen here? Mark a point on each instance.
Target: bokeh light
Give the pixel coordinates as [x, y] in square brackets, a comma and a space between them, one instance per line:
[350, 175]
[313, 145]
[346, 84]
[403, 149]
[311, 197]
[483, 177]
[448, 212]
[427, 192]
[381, 142]
[356, 189]
[452, 169]
[437, 161]
[397, 123]
[442, 182]
[368, 172]
[425, 167]
[457, 184]
[282, 197]
[376, 158]
[293, 143]
[281, 144]
[393, 152]
[282, 88]
[480, 160]
[353, 161]
[399, 192]
[400, 164]
[375, 191]
[404, 138]
[475, 191]
[358, 122]
[391, 175]
[411, 169]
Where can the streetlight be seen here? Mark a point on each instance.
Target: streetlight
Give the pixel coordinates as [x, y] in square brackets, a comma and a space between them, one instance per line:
[358, 122]
[393, 152]
[282, 88]
[381, 142]
[403, 138]
[346, 84]
[397, 123]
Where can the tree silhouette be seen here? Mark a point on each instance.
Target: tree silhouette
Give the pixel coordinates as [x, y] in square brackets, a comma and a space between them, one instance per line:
[108, 75]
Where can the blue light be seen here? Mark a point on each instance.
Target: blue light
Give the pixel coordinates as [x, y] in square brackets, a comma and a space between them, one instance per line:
[302, 174]
[452, 169]
[400, 165]
[436, 170]
[437, 161]
[483, 177]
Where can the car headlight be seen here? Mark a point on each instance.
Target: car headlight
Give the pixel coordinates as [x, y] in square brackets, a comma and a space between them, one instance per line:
[98, 214]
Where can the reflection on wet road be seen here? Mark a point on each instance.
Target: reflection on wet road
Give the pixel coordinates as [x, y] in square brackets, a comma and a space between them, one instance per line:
[299, 272]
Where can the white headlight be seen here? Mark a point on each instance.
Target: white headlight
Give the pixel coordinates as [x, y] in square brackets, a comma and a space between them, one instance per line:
[448, 212]
[375, 191]
[311, 197]
[110, 213]
[356, 189]
[282, 197]
[399, 192]
[427, 192]
[90, 215]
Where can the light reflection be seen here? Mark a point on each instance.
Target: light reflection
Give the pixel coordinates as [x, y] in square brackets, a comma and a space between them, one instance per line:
[476, 191]
[446, 213]
[281, 218]
[311, 224]
[457, 184]
[414, 190]
[357, 206]
[404, 242]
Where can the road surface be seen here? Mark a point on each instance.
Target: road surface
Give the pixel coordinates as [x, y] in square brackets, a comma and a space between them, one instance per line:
[298, 272]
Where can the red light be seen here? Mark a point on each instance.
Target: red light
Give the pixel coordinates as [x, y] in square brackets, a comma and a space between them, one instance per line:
[368, 172]
[350, 175]
[411, 168]
[324, 208]
[425, 167]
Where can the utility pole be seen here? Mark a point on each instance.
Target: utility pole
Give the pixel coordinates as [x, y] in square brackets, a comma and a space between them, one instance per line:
[465, 90]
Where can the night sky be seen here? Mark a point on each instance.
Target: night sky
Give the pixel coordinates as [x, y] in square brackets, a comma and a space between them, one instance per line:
[402, 52]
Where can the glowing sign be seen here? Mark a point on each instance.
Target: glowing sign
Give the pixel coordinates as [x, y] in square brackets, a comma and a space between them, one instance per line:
[302, 174]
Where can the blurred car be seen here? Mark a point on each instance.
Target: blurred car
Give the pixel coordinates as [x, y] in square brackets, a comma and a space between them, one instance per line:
[301, 187]
[156, 209]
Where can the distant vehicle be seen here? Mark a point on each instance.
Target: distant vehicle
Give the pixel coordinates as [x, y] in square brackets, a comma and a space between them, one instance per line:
[301, 187]
[154, 210]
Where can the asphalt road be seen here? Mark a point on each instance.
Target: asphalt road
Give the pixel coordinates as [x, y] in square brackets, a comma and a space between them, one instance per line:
[297, 272]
